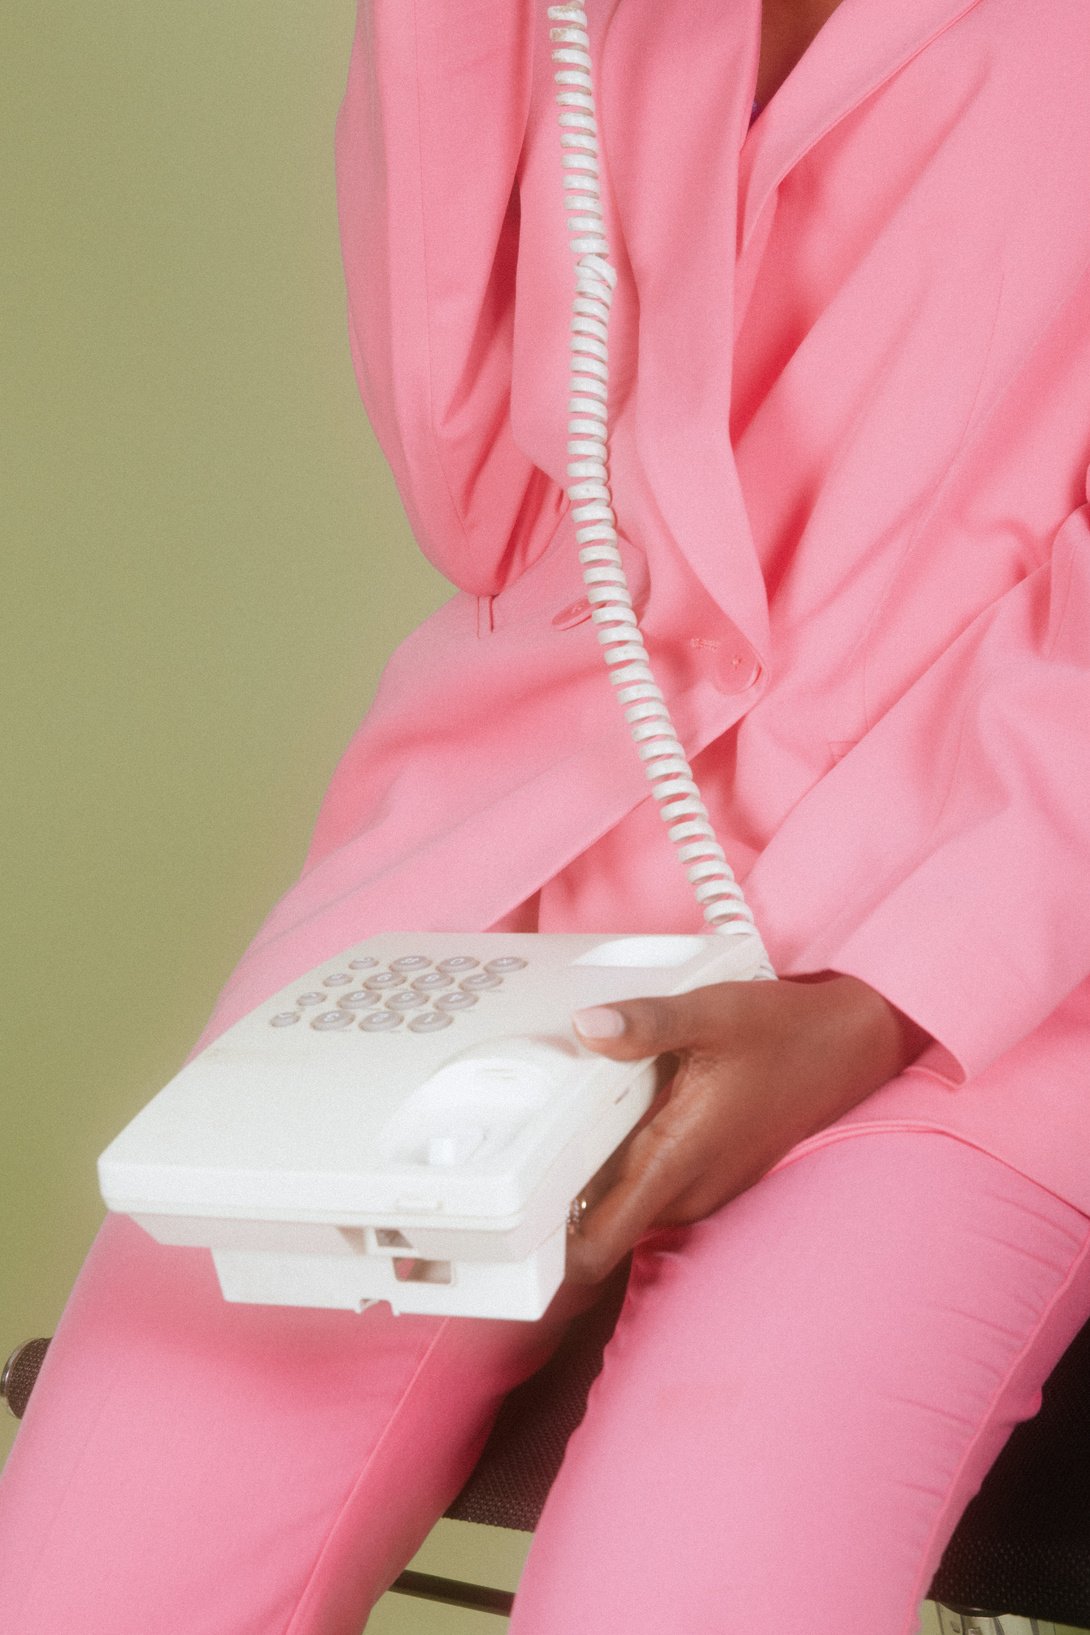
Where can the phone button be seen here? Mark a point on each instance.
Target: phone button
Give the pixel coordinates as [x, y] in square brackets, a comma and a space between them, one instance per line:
[480, 981]
[380, 1022]
[332, 1021]
[430, 1022]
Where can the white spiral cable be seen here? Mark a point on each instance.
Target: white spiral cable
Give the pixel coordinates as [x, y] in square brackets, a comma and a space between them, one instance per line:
[668, 771]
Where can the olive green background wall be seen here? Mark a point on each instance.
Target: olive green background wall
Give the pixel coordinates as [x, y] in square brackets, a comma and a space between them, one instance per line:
[204, 564]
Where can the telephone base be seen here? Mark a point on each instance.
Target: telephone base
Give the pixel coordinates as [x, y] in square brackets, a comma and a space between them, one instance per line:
[408, 1121]
[518, 1289]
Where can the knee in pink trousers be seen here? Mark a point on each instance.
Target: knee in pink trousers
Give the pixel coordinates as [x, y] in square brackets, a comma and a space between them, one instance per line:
[802, 1395]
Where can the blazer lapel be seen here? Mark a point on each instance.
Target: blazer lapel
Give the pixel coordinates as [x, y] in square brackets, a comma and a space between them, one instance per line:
[859, 47]
[690, 180]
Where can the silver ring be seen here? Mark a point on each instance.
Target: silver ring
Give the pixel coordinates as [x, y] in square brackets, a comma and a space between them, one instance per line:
[576, 1210]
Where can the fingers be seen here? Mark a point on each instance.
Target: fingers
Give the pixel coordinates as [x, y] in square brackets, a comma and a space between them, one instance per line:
[761, 1066]
[701, 1030]
[658, 1163]
[653, 1172]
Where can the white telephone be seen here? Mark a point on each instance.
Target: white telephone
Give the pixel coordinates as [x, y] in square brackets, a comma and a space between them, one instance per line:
[410, 1120]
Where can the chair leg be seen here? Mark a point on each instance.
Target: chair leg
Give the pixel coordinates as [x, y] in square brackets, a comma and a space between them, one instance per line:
[478, 1598]
[454, 1593]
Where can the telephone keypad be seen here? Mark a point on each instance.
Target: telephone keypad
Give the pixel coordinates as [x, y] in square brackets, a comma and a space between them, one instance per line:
[412, 982]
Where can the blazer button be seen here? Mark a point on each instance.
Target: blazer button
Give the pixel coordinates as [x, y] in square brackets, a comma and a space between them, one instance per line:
[736, 669]
[574, 613]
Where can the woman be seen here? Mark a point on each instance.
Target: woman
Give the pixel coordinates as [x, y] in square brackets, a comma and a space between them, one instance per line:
[850, 411]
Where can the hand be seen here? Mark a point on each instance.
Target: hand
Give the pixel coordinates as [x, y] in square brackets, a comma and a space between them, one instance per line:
[760, 1066]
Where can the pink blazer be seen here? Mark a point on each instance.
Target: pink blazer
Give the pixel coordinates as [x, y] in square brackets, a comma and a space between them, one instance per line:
[850, 401]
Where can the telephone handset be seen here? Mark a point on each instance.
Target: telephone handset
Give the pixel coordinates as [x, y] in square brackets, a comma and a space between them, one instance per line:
[409, 1120]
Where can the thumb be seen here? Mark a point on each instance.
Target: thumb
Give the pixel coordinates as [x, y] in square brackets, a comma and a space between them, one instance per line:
[634, 1028]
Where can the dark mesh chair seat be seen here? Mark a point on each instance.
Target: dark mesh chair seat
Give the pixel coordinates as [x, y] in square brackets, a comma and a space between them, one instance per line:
[1022, 1546]
[522, 1456]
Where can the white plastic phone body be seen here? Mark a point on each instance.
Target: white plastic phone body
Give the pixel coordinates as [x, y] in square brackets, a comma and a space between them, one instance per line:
[406, 1122]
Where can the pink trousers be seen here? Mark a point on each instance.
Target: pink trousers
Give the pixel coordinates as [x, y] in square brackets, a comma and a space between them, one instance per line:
[802, 1394]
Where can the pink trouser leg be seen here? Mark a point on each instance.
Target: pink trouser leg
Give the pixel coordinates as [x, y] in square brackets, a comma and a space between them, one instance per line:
[803, 1393]
[192, 1467]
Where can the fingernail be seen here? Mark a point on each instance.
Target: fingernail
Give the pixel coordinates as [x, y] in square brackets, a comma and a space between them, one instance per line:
[599, 1022]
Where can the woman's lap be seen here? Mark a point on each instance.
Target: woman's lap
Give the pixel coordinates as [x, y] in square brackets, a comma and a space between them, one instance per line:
[802, 1395]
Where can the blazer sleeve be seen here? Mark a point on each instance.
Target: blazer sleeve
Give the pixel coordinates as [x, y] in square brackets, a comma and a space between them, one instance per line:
[428, 140]
[953, 841]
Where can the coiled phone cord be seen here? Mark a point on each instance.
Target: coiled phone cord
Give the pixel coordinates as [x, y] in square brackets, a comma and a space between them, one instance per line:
[668, 771]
